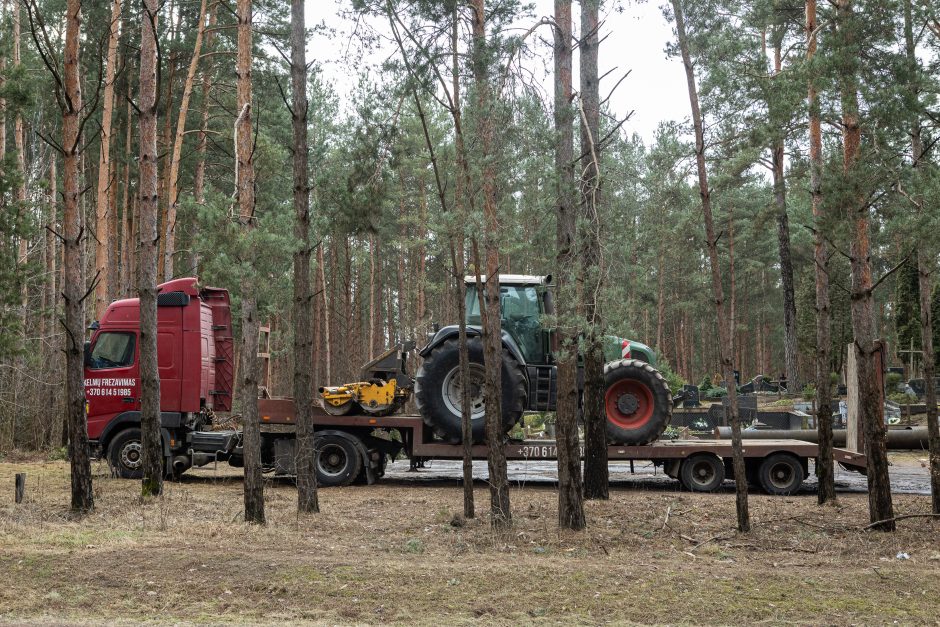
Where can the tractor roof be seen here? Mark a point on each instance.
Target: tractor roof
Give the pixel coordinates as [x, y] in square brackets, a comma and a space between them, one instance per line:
[513, 279]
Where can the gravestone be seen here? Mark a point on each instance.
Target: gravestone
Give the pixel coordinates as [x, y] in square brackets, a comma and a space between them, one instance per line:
[691, 396]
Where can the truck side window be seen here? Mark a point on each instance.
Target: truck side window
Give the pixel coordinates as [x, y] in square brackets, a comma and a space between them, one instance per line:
[113, 350]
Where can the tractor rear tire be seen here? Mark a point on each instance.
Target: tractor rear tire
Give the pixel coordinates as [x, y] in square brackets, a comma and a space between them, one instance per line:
[637, 402]
[437, 391]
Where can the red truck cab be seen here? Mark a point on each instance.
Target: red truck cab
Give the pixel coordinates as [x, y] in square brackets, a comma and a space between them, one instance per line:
[195, 361]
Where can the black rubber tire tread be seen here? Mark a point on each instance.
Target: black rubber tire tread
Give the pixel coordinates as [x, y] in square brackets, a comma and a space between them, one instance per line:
[353, 462]
[662, 401]
[763, 474]
[428, 394]
[686, 468]
[114, 454]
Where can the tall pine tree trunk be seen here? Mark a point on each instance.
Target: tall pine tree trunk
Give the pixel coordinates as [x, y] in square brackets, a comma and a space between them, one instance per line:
[492, 336]
[19, 140]
[725, 347]
[825, 465]
[790, 347]
[103, 206]
[72, 290]
[596, 472]
[570, 496]
[926, 264]
[173, 200]
[461, 193]
[248, 366]
[855, 207]
[303, 298]
[147, 264]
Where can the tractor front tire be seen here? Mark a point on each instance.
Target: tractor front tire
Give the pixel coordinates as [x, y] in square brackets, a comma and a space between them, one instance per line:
[637, 402]
[438, 391]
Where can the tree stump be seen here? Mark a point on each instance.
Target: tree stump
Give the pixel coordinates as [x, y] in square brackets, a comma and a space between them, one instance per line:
[20, 486]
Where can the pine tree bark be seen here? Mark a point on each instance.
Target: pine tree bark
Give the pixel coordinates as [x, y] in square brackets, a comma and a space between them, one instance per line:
[147, 265]
[725, 347]
[926, 264]
[19, 140]
[49, 283]
[825, 464]
[173, 200]
[596, 472]
[501, 516]
[570, 486]
[248, 366]
[199, 175]
[307, 501]
[103, 205]
[128, 234]
[926, 267]
[82, 494]
[854, 206]
[790, 346]
[459, 262]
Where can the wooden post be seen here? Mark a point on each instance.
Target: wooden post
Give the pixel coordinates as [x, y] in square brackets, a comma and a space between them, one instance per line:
[20, 486]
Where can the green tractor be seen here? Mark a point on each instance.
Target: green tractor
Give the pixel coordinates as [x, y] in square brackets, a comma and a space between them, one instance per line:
[637, 399]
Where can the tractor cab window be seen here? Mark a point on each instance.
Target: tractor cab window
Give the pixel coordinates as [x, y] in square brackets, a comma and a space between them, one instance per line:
[520, 312]
[113, 350]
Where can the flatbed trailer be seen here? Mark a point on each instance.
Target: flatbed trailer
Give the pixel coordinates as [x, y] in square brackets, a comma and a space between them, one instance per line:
[776, 466]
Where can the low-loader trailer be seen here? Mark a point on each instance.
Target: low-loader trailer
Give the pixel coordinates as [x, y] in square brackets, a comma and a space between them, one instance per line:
[196, 366]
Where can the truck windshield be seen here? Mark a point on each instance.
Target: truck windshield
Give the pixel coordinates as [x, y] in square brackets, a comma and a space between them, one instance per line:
[113, 350]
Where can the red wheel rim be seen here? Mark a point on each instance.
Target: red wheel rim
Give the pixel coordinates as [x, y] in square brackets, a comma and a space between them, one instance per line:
[617, 398]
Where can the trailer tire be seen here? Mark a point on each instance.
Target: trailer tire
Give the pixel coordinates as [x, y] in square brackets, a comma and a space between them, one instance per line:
[702, 472]
[437, 389]
[781, 474]
[338, 461]
[125, 454]
[637, 402]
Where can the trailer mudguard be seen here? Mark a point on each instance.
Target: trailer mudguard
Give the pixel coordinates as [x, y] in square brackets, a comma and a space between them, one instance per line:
[453, 330]
[360, 446]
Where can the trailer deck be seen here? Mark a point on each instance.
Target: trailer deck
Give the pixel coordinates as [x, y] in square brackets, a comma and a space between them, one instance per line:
[420, 443]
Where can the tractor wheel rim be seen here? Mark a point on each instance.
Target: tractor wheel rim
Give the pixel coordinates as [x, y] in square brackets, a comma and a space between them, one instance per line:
[131, 455]
[629, 404]
[332, 460]
[452, 389]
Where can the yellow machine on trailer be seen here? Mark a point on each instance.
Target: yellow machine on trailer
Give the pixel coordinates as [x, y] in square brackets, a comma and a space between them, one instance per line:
[383, 389]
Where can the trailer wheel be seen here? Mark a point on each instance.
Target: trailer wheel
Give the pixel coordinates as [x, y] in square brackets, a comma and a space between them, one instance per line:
[781, 474]
[338, 461]
[125, 454]
[438, 390]
[702, 472]
[637, 402]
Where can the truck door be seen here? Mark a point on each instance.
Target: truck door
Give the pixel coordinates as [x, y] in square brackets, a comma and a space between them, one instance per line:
[112, 384]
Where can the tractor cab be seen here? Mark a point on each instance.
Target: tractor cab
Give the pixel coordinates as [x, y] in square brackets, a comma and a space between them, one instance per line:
[523, 301]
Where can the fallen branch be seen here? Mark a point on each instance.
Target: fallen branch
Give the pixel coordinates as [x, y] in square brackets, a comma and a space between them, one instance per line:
[897, 518]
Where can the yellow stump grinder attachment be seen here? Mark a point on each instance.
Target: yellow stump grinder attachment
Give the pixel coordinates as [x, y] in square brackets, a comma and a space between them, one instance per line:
[384, 389]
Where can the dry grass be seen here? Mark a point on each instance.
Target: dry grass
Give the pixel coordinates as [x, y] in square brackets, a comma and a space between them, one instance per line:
[396, 553]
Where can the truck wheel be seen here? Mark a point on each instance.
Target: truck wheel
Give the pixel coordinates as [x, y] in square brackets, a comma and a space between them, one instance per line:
[438, 390]
[125, 454]
[338, 461]
[702, 472]
[637, 402]
[780, 474]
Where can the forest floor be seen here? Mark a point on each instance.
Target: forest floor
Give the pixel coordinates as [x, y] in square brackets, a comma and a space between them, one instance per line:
[399, 552]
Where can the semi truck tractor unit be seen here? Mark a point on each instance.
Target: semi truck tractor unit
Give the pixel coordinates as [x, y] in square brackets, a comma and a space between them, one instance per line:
[358, 428]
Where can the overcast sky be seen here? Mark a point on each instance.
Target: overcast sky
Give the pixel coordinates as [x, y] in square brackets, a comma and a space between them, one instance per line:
[637, 35]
